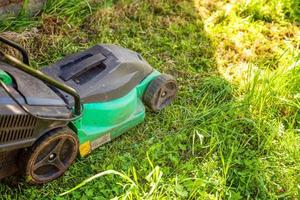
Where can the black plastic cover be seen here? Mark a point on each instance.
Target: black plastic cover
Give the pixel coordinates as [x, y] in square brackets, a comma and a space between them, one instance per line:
[101, 73]
[35, 92]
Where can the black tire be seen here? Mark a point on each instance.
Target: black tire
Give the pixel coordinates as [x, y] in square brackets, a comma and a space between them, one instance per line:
[160, 92]
[50, 156]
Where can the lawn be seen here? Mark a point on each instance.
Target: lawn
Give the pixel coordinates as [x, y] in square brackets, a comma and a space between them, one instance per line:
[233, 131]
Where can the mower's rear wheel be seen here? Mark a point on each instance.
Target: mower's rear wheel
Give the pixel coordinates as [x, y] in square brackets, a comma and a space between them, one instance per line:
[51, 156]
[160, 92]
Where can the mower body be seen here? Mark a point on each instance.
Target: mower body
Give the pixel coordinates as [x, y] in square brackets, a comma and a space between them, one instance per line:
[72, 107]
[111, 82]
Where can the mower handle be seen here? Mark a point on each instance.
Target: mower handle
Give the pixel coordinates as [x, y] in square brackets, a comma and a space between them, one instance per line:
[43, 77]
[14, 45]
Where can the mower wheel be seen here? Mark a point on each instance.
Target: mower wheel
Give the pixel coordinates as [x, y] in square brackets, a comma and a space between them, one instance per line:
[50, 156]
[160, 92]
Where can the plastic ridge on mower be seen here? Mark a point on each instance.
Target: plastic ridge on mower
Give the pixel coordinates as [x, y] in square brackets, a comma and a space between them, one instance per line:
[49, 116]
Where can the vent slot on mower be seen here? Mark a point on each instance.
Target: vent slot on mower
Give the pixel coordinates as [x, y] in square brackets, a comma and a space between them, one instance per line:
[80, 65]
[89, 74]
[16, 127]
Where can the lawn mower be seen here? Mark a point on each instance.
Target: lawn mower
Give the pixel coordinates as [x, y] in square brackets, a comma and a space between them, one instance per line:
[50, 116]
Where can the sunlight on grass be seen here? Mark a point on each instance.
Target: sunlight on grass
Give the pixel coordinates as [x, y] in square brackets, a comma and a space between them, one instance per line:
[245, 41]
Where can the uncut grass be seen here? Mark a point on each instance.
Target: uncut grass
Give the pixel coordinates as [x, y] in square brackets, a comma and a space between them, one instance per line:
[233, 130]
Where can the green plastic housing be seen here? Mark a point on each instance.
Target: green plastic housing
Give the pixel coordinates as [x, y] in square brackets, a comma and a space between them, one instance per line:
[102, 122]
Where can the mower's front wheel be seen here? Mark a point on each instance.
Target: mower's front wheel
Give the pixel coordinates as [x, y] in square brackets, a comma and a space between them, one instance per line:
[50, 156]
[160, 92]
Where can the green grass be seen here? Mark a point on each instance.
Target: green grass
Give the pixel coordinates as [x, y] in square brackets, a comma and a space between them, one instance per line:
[232, 133]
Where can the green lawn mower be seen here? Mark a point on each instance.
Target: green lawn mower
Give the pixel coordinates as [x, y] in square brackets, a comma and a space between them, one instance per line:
[50, 116]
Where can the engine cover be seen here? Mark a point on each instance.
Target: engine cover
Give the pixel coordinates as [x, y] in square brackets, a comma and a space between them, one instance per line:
[101, 73]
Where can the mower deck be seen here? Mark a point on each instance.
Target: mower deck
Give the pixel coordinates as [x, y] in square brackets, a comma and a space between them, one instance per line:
[73, 106]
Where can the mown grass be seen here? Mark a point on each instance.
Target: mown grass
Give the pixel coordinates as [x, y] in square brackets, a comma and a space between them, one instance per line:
[232, 133]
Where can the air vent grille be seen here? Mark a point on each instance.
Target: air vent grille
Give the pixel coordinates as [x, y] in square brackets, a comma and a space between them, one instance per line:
[16, 127]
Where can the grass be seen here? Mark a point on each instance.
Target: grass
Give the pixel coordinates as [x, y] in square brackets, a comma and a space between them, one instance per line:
[232, 133]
